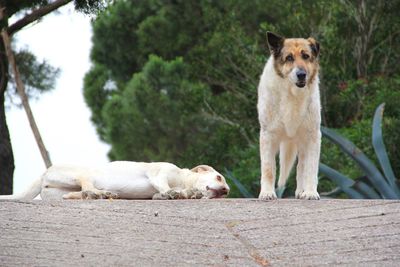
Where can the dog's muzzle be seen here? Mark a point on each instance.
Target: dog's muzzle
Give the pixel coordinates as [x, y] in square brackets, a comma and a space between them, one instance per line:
[218, 193]
[301, 78]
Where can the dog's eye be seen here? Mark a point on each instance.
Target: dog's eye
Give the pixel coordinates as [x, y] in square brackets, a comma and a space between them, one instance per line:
[219, 178]
[289, 58]
[305, 56]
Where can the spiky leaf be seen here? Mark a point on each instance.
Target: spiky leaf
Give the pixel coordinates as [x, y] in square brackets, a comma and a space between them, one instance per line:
[280, 191]
[334, 192]
[341, 180]
[366, 190]
[366, 165]
[380, 149]
[245, 193]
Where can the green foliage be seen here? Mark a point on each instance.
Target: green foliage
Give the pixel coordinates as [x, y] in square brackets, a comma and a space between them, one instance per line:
[90, 7]
[379, 185]
[97, 93]
[37, 76]
[247, 171]
[160, 109]
[220, 49]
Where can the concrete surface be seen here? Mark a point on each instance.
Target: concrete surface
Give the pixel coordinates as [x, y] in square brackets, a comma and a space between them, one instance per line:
[241, 232]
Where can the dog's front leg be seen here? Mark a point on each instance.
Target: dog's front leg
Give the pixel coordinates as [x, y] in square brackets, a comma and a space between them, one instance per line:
[269, 145]
[307, 169]
[160, 183]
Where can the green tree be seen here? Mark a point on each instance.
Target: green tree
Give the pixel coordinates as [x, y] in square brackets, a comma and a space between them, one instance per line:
[160, 108]
[223, 49]
[37, 76]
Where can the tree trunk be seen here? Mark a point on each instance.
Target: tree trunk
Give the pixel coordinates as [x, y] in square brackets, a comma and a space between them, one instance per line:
[24, 99]
[6, 153]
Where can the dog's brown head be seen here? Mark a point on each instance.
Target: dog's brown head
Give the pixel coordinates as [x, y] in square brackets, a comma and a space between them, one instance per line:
[295, 58]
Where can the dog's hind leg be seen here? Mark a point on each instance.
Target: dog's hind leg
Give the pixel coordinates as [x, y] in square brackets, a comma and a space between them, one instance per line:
[287, 156]
[73, 195]
[89, 191]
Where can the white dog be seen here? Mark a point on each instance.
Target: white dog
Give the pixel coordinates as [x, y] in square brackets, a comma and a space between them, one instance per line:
[126, 180]
[289, 114]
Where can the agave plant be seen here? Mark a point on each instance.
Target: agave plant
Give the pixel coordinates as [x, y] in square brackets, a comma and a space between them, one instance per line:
[375, 184]
[242, 189]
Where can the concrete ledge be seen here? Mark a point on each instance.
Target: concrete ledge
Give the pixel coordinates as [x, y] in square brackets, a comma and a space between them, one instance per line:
[234, 232]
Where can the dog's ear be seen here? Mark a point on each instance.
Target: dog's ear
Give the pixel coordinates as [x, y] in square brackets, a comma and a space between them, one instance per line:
[314, 46]
[275, 43]
[202, 168]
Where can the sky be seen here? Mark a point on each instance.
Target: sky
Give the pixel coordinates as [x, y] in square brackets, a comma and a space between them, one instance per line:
[64, 41]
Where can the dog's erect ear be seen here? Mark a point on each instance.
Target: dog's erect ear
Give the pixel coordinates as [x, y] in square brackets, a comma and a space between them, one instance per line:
[202, 168]
[275, 43]
[314, 46]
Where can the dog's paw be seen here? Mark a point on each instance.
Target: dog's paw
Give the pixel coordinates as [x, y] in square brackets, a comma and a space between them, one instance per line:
[176, 194]
[267, 195]
[98, 194]
[193, 194]
[298, 193]
[310, 195]
[109, 195]
[89, 195]
[160, 196]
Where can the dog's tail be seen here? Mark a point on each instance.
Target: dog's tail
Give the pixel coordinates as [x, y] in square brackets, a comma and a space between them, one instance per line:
[29, 194]
[287, 156]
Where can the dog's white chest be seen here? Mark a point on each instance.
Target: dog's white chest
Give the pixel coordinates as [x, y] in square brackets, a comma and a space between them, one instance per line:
[293, 113]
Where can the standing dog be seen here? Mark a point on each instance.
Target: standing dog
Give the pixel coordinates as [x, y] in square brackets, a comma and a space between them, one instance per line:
[127, 180]
[289, 114]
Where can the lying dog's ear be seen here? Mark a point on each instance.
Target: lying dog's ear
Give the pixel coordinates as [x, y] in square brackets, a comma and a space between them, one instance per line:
[314, 46]
[202, 168]
[275, 43]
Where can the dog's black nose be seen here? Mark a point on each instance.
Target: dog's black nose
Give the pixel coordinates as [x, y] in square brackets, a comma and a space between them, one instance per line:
[301, 74]
[224, 191]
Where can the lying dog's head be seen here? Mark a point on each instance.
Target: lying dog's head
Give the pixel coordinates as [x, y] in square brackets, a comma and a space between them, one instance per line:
[211, 182]
[295, 58]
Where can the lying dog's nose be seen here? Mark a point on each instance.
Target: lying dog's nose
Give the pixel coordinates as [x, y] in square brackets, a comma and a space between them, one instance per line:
[224, 190]
[301, 74]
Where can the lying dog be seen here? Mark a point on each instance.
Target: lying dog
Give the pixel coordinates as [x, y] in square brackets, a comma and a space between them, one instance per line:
[289, 114]
[127, 180]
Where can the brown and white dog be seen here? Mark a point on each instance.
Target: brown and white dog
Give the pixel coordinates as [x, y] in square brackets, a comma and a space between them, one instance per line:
[289, 114]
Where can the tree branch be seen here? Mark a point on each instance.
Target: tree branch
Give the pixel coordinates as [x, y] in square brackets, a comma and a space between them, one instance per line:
[35, 15]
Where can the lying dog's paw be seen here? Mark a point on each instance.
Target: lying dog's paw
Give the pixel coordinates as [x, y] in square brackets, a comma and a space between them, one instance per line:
[109, 195]
[176, 194]
[160, 196]
[311, 195]
[267, 195]
[194, 194]
[89, 195]
[197, 194]
[179, 194]
[98, 194]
